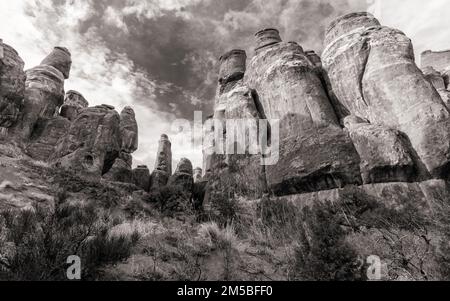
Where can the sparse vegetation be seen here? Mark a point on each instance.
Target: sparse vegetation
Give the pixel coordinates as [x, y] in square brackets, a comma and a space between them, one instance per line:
[35, 244]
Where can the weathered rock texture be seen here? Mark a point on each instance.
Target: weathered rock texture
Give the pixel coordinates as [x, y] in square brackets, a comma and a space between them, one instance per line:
[121, 170]
[198, 175]
[141, 177]
[46, 135]
[374, 76]
[44, 92]
[439, 60]
[74, 102]
[183, 178]
[92, 143]
[235, 101]
[315, 153]
[128, 130]
[385, 154]
[61, 59]
[163, 166]
[439, 82]
[12, 85]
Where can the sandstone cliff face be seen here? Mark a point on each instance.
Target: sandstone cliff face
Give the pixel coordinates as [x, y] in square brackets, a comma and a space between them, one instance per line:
[92, 143]
[46, 135]
[60, 58]
[12, 85]
[385, 154]
[374, 76]
[315, 153]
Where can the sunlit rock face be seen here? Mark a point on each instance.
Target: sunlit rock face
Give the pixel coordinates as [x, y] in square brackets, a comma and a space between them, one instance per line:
[12, 85]
[373, 74]
[92, 144]
[315, 152]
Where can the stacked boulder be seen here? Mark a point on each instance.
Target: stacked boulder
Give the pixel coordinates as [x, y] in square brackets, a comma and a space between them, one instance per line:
[373, 74]
[12, 87]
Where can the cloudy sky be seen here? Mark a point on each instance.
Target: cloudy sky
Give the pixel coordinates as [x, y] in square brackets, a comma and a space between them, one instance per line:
[160, 56]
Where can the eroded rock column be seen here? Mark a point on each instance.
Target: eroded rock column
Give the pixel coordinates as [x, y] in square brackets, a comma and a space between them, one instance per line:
[374, 76]
[315, 153]
[44, 90]
[163, 165]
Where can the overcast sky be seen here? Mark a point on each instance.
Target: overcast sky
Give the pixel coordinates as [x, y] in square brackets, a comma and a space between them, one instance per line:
[160, 56]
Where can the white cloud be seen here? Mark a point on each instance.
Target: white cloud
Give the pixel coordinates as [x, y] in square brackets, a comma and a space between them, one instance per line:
[425, 22]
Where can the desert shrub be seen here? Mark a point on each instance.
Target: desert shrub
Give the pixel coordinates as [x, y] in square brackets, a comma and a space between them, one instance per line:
[325, 253]
[222, 201]
[225, 241]
[322, 252]
[41, 240]
[172, 200]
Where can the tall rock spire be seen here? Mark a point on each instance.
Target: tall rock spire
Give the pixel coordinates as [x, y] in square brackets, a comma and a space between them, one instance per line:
[163, 165]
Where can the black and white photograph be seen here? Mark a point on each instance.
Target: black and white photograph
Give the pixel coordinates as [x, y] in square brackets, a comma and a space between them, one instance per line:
[212, 143]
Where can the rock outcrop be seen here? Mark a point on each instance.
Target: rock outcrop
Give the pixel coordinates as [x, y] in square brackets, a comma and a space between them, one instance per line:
[61, 59]
[121, 170]
[198, 175]
[46, 135]
[141, 177]
[439, 82]
[315, 153]
[74, 102]
[385, 154]
[93, 142]
[44, 91]
[438, 60]
[371, 69]
[183, 178]
[163, 165]
[12, 85]
[128, 130]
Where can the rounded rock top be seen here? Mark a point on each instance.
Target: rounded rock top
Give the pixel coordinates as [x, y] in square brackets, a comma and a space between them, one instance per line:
[267, 37]
[349, 22]
[234, 52]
